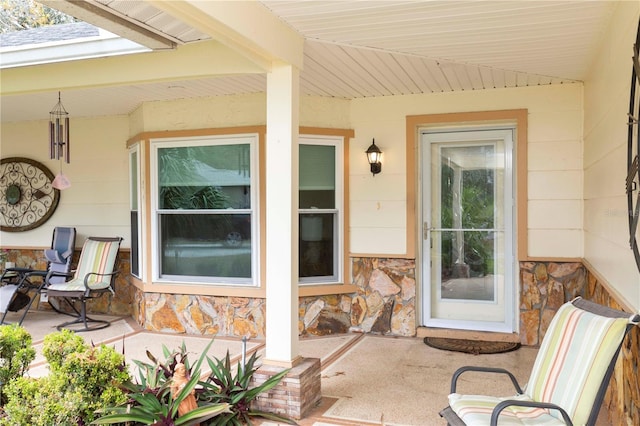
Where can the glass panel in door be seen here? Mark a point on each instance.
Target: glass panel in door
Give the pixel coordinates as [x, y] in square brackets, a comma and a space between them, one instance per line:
[467, 230]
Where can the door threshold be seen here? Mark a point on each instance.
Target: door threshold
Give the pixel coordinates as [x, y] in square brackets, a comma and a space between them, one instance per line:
[451, 333]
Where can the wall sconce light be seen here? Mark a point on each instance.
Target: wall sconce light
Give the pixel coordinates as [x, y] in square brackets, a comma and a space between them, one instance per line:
[374, 155]
[59, 132]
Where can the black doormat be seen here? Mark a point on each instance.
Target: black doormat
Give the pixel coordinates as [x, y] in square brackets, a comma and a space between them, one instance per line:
[475, 347]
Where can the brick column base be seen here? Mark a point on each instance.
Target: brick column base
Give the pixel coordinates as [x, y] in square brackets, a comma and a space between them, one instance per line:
[296, 394]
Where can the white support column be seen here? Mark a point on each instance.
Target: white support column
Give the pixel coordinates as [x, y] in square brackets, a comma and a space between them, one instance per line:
[282, 215]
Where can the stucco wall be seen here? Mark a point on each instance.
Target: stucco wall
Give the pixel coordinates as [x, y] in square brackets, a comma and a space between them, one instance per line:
[606, 231]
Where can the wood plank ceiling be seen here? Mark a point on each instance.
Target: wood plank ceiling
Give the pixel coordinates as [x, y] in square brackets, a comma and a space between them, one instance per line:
[356, 49]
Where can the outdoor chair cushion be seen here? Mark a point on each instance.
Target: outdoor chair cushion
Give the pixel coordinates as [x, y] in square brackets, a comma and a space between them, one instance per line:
[570, 366]
[6, 296]
[476, 410]
[62, 246]
[95, 267]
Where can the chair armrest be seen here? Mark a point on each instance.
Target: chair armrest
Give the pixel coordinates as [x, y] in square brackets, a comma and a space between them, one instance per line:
[34, 273]
[14, 275]
[459, 371]
[504, 404]
[86, 278]
[14, 272]
[18, 270]
[51, 274]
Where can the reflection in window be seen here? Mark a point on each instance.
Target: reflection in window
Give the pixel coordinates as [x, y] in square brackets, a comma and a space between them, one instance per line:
[134, 216]
[468, 221]
[319, 221]
[205, 212]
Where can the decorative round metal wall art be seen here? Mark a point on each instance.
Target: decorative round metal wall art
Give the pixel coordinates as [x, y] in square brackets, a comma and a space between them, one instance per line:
[27, 199]
[633, 146]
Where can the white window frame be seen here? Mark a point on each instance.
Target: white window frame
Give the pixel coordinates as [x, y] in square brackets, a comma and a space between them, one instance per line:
[232, 139]
[339, 233]
[138, 187]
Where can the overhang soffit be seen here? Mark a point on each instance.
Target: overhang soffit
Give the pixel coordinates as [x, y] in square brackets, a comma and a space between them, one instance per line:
[245, 26]
[191, 61]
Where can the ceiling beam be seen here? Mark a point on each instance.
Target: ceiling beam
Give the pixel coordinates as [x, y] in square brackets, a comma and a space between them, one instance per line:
[246, 26]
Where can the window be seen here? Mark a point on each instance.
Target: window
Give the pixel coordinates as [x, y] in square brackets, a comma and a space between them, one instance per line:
[206, 209]
[320, 210]
[134, 202]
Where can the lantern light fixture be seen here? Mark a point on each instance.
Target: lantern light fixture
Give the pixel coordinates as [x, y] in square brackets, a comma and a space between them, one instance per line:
[374, 155]
[59, 132]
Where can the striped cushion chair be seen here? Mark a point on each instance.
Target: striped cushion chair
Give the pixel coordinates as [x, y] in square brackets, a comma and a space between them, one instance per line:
[569, 378]
[95, 275]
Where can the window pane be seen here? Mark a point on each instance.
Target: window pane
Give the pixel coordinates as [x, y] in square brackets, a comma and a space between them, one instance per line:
[135, 250]
[468, 264]
[212, 245]
[468, 187]
[204, 177]
[133, 174]
[317, 176]
[317, 245]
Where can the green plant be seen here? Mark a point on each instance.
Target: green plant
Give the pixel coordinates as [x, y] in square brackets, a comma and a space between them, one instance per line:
[150, 400]
[223, 398]
[58, 346]
[82, 380]
[222, 386]
[16, 353]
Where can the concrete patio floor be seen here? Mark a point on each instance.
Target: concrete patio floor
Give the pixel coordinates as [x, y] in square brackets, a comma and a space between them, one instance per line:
[366, 379]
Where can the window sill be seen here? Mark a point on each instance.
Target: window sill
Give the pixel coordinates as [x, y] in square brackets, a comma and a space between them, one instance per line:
[321, 290]
[212, 290]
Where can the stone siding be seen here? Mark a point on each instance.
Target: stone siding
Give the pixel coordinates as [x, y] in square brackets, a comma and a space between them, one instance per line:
[623, 395]
[223, 316]
[544, 287]
[384, 303]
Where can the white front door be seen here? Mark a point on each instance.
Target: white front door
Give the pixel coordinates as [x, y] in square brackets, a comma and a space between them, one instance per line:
[468, 246]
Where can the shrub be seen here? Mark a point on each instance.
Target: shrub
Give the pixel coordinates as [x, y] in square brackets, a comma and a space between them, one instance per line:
[16, 353]
[82, 379]
[58, 346]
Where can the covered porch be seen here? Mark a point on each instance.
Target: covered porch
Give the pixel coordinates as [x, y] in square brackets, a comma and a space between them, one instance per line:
[266, 78]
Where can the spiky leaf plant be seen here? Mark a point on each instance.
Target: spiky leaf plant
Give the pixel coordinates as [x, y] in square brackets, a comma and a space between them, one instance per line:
[150, 400]
[222, 386]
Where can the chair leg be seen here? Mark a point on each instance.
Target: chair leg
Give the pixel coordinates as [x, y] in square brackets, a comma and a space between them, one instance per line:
[59, 310]
[451, 417]
[84, 319]
[26, 308]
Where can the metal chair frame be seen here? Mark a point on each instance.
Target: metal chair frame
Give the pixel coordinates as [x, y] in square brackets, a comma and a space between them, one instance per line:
[454, 420]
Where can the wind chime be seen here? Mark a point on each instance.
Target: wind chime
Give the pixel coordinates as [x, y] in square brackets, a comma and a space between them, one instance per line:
[59, 141]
